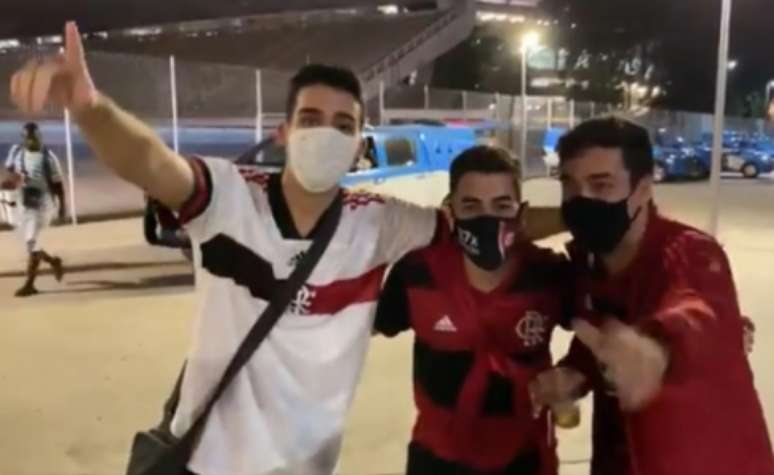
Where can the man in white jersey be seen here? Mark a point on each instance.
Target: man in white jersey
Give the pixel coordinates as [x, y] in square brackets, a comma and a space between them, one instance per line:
[284, 412]
[37, 182]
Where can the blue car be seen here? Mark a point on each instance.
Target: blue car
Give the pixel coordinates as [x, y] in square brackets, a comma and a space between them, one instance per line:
[675, 159]
[748, 155]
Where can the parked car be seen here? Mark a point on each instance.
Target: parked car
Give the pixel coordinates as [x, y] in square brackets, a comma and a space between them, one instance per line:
[675, 159]
[550, 157]
[748, 155]
[410, 161]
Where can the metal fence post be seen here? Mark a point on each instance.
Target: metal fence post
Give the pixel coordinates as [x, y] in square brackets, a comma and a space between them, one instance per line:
[550, 113]
[381, 102]
[572, 113]
[173, 89]
[70, 167]
[258, 107]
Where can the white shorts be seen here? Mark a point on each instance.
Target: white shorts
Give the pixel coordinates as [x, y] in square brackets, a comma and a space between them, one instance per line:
[29, 224]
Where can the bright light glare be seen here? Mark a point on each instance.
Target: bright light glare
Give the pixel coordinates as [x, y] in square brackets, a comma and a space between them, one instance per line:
[530, 40]
[389, 9]
[733, 64]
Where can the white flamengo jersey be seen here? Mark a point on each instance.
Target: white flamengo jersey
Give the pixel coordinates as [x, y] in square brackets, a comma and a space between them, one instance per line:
[284, 412]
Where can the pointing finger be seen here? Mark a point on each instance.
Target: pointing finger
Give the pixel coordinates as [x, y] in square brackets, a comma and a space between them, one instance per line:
[74, 53]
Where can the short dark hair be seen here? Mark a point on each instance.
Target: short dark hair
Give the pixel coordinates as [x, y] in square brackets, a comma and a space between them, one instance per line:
[335, 77]
[30, 128]
[484, 159]
[611, 132]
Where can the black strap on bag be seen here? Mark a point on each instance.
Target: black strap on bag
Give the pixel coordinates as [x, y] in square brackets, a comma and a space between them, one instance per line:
[157, 452]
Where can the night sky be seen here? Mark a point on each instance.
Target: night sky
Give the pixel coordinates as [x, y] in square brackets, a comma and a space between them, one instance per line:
[689, 32]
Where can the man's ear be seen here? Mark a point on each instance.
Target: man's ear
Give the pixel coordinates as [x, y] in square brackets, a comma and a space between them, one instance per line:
[522, 218]
[643, 193]
[360, 151]
[448, 213]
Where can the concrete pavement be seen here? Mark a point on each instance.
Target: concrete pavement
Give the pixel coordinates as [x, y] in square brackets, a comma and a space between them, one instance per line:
[90, 361]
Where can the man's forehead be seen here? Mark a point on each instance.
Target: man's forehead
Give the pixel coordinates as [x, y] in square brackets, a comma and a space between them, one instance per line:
[485, 186]
[327, 100]
[597, 160]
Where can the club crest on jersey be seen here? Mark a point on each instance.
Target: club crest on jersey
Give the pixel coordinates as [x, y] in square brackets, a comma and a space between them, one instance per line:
[468, 240]
[532, 328]
[302, 302]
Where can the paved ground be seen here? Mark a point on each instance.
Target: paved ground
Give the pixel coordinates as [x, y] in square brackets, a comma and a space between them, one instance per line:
[91, 360]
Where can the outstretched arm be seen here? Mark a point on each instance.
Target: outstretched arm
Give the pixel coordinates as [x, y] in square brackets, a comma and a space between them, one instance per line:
[122, 142]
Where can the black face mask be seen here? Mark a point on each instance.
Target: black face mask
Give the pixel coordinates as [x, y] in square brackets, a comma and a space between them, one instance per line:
[486, 240]
[597, 225]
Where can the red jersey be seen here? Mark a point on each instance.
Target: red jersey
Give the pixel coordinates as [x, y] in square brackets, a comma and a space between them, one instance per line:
[707, 419]
[474, 356]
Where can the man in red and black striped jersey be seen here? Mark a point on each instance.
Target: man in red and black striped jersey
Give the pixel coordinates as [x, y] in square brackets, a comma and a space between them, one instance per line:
[482, 307]
[660, 338]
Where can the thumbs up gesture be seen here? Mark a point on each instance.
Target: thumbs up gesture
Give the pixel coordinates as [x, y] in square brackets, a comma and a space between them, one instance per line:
[62, 80]
[633, 363]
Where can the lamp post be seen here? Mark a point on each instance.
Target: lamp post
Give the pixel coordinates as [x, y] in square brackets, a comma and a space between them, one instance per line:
[529, 42]
[720, 110]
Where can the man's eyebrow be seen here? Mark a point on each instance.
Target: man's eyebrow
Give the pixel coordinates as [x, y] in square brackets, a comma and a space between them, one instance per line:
[345, 115]
[470, 199]
[310, 110]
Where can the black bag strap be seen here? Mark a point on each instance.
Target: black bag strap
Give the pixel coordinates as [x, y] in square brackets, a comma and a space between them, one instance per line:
[264, 324]
[47, 173]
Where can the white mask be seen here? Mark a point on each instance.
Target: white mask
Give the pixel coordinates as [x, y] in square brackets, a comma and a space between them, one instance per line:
[320, 156]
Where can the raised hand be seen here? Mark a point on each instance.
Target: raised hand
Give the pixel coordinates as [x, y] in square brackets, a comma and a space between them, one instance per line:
[62, 80]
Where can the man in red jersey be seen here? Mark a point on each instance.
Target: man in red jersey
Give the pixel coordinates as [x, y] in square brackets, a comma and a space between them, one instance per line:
[482, 307]
[660, 338]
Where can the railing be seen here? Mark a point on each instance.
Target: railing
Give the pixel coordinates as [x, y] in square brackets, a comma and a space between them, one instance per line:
[420, 39]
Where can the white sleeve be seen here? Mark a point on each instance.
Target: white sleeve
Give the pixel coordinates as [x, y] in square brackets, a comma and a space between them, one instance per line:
[219, 194]
[11, 158]
[405, 227]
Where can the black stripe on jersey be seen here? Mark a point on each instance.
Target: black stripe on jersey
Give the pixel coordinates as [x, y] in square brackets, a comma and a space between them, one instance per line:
[441, 375]
[415, 272]
[422, 461]
[224, 257]
[393, 314]
[281, 212]
[541, 274]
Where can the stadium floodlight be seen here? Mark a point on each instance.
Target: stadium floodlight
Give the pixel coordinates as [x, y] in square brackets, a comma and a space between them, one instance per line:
[530, 41]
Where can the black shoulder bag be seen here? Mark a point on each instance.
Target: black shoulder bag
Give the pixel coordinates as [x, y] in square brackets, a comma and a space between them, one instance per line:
[157, 451]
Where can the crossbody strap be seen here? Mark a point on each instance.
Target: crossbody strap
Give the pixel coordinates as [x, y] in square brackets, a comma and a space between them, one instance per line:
[264, 324]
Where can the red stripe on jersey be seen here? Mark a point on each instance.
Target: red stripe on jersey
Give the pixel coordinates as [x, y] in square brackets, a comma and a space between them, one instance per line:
[336, 296]
[357, 199]
[253, 175]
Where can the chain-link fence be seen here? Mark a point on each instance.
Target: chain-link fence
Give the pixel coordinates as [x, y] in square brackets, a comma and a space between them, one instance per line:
[221, 110]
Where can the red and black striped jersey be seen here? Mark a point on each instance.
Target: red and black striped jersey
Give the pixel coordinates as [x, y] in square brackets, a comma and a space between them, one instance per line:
[474, 355]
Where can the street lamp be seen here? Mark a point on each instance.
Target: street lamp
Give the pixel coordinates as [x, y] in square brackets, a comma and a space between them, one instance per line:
[733, 64]
[529, 42]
